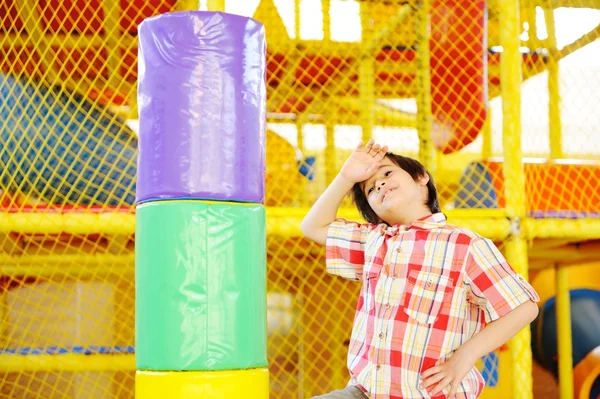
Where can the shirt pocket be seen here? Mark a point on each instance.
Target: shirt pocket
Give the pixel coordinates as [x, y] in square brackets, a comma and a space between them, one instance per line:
[425, 292]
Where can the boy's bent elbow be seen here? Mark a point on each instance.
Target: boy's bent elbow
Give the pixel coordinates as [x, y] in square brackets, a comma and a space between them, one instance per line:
[317, 234]
[305, 228]
[525, 313]
[532, 310]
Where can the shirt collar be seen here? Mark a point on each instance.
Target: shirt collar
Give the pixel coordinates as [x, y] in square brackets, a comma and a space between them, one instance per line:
[428, 222]
[431, 221]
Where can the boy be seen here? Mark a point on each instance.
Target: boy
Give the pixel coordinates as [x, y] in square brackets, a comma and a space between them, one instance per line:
[434, 297]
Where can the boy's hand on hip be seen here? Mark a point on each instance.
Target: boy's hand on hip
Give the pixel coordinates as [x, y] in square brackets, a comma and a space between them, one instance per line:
[449, 374]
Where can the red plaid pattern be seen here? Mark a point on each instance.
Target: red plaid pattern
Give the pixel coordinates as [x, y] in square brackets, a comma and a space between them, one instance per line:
[426, 289]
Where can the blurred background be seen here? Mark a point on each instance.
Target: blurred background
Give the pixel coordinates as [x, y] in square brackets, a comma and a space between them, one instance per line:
[498, 98]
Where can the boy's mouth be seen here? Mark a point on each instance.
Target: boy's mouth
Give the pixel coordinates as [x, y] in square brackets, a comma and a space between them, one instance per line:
[386, 192]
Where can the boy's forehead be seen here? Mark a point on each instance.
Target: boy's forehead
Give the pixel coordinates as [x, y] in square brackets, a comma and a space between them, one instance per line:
[383, 163]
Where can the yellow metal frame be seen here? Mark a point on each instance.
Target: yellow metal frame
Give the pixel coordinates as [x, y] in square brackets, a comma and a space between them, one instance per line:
[60, 266]
[215, 5]
[67, 362]
[553, 88]
[366, 79]
[281, 221]
[516, 246]
[427, 153]
[563, 322]
[70, 223]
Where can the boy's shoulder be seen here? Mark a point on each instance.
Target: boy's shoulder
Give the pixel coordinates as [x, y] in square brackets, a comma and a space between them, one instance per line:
[466, 233]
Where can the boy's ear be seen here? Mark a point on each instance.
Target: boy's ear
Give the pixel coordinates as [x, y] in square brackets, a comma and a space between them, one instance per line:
[423, 180]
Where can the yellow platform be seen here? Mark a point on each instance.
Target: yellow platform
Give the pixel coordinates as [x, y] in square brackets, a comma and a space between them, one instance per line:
[234, 384]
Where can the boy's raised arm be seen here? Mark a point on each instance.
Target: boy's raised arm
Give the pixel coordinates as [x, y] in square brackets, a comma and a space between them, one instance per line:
[324, 211]
[361, 165]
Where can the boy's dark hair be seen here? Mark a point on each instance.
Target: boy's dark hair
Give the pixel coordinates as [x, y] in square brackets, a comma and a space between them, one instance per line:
[411, 166]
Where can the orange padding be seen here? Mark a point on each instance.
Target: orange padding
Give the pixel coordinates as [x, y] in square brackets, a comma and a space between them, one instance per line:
[566, 185]
[585, 373]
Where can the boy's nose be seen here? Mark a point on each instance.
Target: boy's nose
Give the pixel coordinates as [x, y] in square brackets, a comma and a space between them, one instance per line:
[380, 185]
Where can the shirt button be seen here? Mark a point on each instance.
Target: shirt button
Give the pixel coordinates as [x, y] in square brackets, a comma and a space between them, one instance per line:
[398, 249]
[429, 284]
[381, 335]
[377, 367]
[387, 305]
[395, 276]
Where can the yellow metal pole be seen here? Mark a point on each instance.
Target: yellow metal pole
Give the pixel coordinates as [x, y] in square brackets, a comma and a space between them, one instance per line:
[520, 345]
[112, 35]
[486, 151]
[563, 326]
[376, 39]
[534, 42]
[367, 95]
[366, 77]
[68, 266]
[303, 197]
[4, 317]
[133, 106]
[583, 41]
[215, 5]
[70, 223]
[297, 21]
[516, 246]
[510, 75]
[67, 362]
[330, 156]
[326, 21]
[427, 153]
[576, 229]
[186, 5]
[553, 86]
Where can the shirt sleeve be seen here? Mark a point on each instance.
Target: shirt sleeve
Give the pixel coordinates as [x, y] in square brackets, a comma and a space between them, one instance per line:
[345, 248]
[497, 288]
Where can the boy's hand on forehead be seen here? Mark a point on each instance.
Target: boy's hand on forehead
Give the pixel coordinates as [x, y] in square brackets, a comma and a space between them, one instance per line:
[363, 162]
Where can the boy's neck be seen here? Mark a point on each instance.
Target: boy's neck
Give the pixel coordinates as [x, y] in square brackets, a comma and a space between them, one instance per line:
[411, 217]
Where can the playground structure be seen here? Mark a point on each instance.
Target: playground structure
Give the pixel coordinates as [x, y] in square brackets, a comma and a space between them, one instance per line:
[68, 167]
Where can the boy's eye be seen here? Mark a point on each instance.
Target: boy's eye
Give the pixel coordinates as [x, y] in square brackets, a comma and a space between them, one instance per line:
[389, 172]
[369, 190]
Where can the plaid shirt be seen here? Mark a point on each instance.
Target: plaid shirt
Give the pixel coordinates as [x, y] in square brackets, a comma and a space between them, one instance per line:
[426, 289]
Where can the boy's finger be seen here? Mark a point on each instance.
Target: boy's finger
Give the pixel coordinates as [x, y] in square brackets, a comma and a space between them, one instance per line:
[432, 380]
[374, 150]
[373, 167]
[453, 390]
[431, 371]
[440, 386]
[381, 154]
[360, 145]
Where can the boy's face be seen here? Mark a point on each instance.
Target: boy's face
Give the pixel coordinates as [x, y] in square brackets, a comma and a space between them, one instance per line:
[391, 189]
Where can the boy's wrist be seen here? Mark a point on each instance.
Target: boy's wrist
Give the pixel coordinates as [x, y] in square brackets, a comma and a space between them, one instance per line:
[342, 180]
[466, 353]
